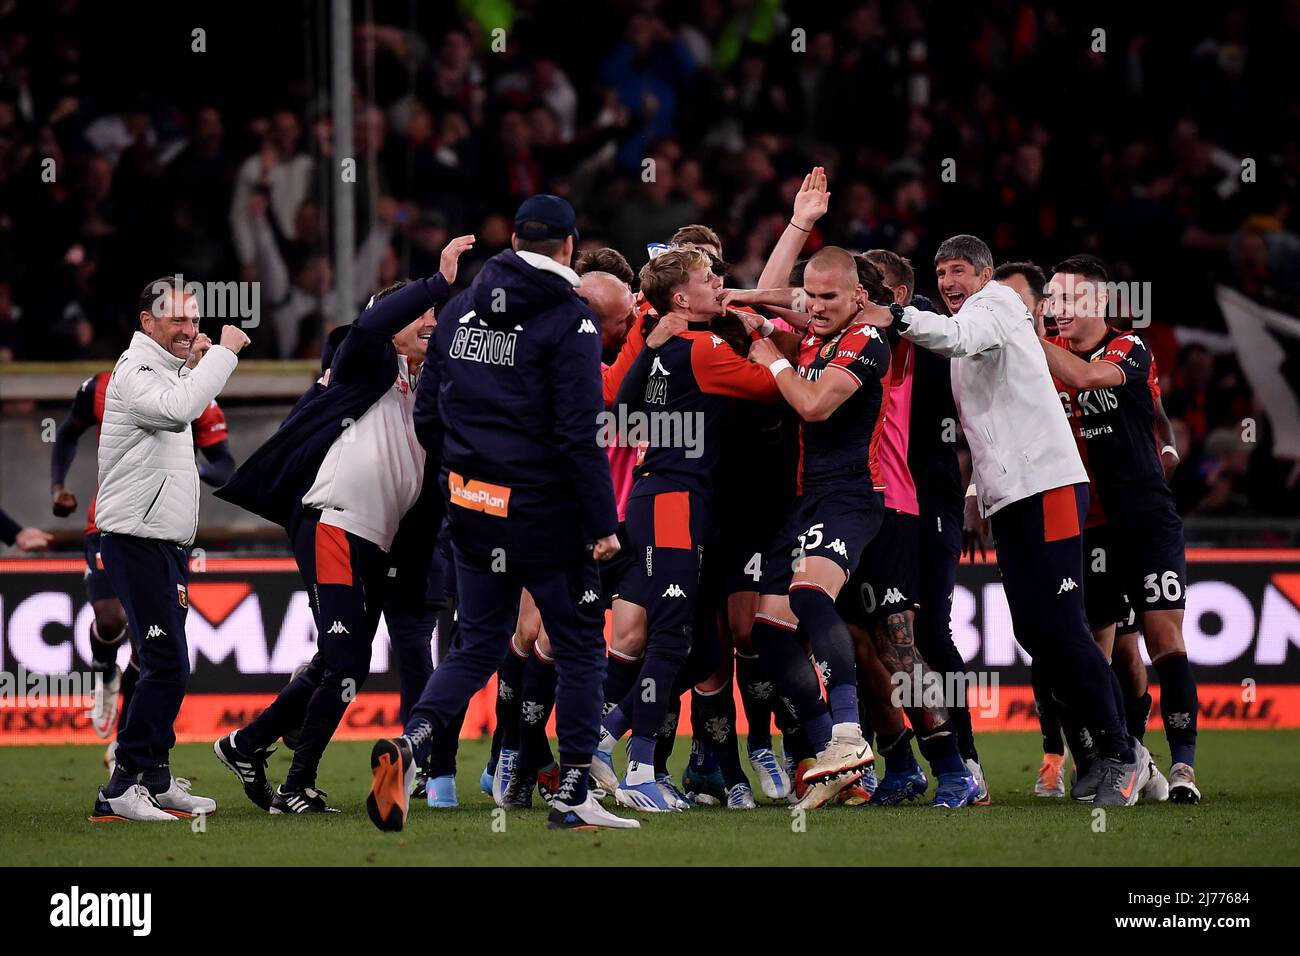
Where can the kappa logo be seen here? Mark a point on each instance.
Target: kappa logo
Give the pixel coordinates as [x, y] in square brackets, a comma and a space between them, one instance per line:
[657, 368]
[715, 340]
[839, 548]
[674, 590]
[338, 628]
[155, 631]
[587, 326]
[892, 596]
[589, 597]
[1067, 585]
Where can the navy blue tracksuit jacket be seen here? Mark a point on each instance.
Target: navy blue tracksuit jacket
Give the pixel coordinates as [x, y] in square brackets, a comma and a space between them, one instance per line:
[509, 399]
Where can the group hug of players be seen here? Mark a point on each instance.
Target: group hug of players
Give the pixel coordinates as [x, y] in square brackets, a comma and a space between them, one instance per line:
[804, 543]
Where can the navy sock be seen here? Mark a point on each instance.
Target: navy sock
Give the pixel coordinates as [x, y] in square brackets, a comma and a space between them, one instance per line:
[120, 782]
[939, 748]
[832, 646]
[897, 751]
[756, 690]
[796, 681]
[1179, 707]
[620, 675]
[574, 769]
[717, 715]
[496, 750]
[156, 779]
[510, 698]
[1136, 713]
[538, 702]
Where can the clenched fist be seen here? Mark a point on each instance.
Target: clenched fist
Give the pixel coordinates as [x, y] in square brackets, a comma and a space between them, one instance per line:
[233, 338]
[65, 502]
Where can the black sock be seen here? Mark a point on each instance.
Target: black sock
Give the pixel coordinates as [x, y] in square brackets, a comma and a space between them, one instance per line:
[715, 714]
[666, 736]
[539, 701]
[620, 675]
[1179, 707]
[103, 650]
[864, 718]
[796, 682]
[756, 691]
[897, 751]
[1136, 713]
[510, 698]
[120, 782]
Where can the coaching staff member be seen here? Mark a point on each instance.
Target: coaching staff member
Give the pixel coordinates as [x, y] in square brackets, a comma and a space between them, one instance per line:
[509, 400]
[1031, 484]
[148, 515]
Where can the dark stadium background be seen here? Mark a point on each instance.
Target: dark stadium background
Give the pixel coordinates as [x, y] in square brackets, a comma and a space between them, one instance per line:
[1133, 153]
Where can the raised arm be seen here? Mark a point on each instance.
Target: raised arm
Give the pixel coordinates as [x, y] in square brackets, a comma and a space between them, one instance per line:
[810, 204]
[152, 403]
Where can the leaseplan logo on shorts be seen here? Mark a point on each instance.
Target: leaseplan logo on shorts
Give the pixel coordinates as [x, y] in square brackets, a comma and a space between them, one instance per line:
[76, 909]
[479, 495]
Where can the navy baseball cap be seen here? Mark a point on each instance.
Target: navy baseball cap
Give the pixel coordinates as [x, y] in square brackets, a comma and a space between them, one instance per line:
[554, 215]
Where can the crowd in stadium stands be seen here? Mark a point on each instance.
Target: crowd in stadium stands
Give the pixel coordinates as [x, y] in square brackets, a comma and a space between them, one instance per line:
[1046, 133]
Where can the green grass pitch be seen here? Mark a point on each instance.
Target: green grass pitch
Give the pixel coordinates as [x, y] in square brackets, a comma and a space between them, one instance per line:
[1250, 781]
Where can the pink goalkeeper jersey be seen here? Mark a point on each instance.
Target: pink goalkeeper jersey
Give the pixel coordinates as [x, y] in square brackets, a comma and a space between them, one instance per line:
[622, 462]
[900, 490]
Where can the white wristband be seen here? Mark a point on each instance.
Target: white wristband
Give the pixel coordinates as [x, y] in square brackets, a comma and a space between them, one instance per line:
[767, 328]
[1171, 449]
[779, 366]
[971, 492]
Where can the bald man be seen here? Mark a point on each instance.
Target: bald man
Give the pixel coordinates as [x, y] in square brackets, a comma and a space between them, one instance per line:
[612, 301]
[839, 390]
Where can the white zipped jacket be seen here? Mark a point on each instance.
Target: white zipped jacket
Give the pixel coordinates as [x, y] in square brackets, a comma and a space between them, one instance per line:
[148, 480]
[1020, 441]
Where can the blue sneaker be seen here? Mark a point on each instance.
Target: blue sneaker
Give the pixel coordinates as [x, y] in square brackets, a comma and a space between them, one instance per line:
[675, 796]
[706, 789]
[506, 763]
[602, 772]
[441, 792]
[772, 777]
[741, 797]
[955, 790]
[899, 788]
[648, 797]
[485, 778]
